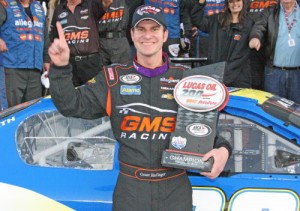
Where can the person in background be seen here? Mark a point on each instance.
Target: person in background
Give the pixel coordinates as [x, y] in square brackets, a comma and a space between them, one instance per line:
[176, 12]
[132, 5]
[279, 27]
[228, 40]
[131, 95]
[211, 7]
[3, 103]
[114, 46]
[257, 58]
[80, 21]
[193, 33]
[24, 45]
[51, 7]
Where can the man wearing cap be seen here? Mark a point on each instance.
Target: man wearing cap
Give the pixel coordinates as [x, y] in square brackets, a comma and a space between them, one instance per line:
[136, 97]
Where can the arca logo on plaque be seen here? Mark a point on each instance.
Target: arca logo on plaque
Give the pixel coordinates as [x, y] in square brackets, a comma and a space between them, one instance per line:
[198, 129]
[200, 93]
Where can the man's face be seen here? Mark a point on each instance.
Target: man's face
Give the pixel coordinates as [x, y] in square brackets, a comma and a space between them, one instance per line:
[148, 37]
[288, 3]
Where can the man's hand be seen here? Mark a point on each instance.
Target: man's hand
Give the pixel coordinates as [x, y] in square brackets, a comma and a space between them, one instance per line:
[59, 51]
[3, 46]
[106, 4]
[46, 67]
[255, 43]
[220, 156]
[194, 31]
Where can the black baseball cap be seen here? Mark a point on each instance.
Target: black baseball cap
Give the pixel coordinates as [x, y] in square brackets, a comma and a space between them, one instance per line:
[148, 12]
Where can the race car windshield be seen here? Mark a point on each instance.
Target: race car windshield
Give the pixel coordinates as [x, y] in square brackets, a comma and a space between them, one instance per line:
[257, 149]
[50, 139]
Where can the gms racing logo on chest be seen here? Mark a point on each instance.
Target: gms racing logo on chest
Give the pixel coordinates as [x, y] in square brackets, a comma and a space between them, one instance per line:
[139, 123]
[77, 35]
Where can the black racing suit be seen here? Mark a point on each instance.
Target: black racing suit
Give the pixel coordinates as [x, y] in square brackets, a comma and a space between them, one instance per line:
[81, 33]
[143, 115]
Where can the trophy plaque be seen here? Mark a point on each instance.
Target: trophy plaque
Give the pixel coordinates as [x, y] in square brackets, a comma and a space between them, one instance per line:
[200, 95]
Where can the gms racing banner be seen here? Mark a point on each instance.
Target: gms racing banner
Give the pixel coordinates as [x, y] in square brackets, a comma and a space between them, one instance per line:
[200, 95]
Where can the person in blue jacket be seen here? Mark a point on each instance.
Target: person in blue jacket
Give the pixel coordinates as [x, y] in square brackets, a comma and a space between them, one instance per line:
[23, 43]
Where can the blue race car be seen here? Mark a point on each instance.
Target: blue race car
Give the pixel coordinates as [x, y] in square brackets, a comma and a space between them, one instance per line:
[52, 162]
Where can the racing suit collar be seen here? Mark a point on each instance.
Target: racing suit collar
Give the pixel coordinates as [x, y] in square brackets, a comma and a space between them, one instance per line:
[152, 72]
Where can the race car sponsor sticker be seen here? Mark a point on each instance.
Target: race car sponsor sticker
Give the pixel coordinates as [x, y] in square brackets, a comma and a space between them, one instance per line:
[130, 90]
[200, 93]
[7, 121]
[198, 129]
[131, 78]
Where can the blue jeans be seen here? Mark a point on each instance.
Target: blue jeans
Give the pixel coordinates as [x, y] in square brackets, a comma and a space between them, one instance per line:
[3, 103]
[284, 83]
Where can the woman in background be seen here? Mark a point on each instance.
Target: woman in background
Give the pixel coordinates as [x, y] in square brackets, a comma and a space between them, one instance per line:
[228, 39]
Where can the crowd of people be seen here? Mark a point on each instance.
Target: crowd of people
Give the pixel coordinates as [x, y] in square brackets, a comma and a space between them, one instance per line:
[258, 40]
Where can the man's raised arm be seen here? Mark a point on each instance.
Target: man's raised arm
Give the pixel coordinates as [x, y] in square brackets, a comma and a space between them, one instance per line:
[59, 51]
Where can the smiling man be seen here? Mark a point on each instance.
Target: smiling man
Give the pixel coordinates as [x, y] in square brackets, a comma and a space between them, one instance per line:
[142, 117]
